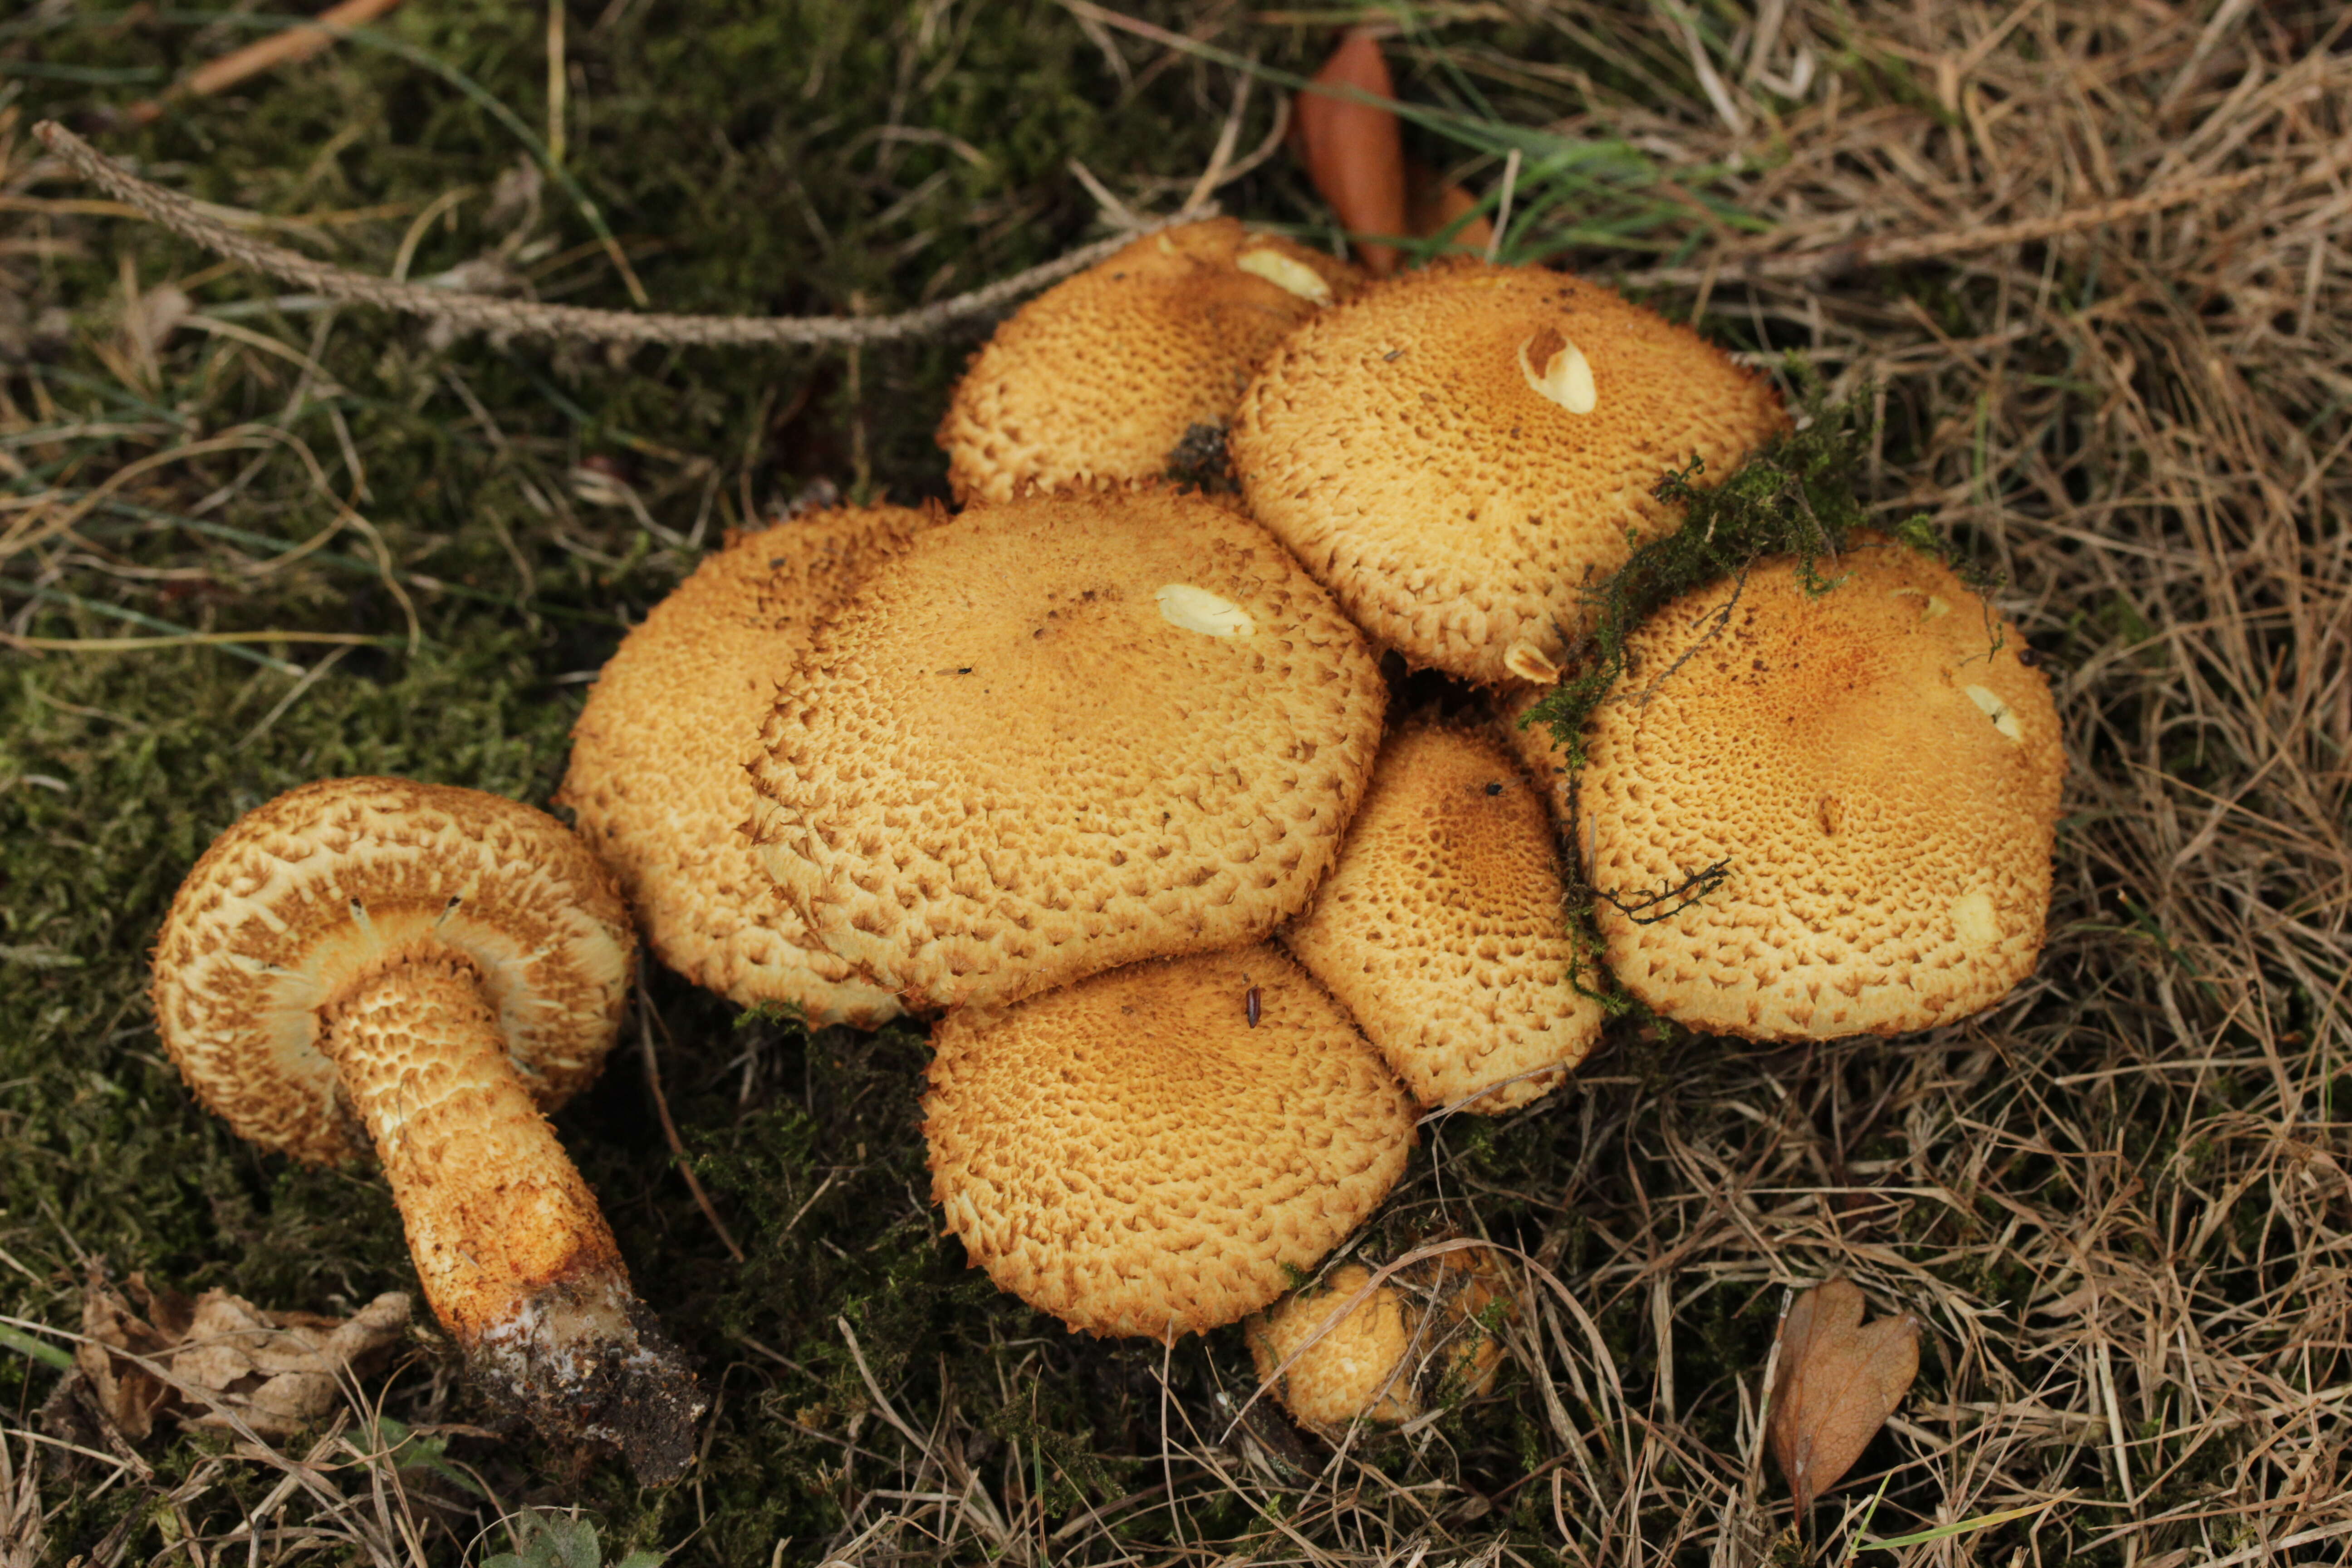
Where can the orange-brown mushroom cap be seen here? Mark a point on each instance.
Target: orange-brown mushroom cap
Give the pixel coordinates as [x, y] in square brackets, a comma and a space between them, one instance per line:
[1102, 377]
[304, 895]
[1454, 452]
[1134, 1156]
[1064, 735]
[1441, 929]
[657, 781]
[1539, 752]
[1871, 776]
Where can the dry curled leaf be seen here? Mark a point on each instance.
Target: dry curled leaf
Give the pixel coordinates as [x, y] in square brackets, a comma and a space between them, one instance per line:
[1354, 152]
[277, 1372]
[1839, 1380]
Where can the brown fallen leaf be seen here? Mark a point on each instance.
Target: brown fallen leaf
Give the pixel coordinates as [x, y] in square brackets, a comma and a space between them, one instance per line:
[129, 1395]
[1839, 1380]
[1432, 202]
[1354, 152]
[277, 1372]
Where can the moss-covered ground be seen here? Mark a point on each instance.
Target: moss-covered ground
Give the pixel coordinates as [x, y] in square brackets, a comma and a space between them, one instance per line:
[2119, 1200]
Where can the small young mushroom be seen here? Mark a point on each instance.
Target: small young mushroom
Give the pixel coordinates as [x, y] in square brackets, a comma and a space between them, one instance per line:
[1101, 378]
[1133, 1155]
[1439, 927]
[1416, 1339]
[430, 970]
[1814, 812]
[1453, 452]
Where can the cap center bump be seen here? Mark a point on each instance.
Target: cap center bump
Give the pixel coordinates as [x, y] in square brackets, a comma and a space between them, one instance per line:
[1998, 711]
[1567, 375]
[1973, 918]
[1198, 610]
[1292, 276]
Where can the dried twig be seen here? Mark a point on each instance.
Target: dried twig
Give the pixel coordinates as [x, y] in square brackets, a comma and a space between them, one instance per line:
[480, 312]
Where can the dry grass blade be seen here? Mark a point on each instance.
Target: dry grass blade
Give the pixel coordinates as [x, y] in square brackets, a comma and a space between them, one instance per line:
[278, 49]
[480, 312]
[1839, 1381]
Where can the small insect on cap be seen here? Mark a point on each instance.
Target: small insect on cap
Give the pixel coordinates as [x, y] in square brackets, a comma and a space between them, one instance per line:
[1817, 813]
[1101, 378]
[1441, 930]
[1131, 1156]
[1457, 450]
[657, 780]
[310, 894]
[1065, 735]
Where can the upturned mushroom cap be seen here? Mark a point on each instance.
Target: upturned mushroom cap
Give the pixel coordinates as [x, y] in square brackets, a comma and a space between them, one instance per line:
[1101, 377]
[1874, 774]
[426, 970]
[1441, 929]
[1133, 1156]
[306, 896]
[1065, 735]
[657, 781]
[1454, 452]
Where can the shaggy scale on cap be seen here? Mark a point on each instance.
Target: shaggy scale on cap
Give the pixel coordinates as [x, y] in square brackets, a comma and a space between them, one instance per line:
[427, 970]
[1455, 451]
[1875, 775]
[657, 781]
[1065, 735]
[1101, 378]
[1134, 1156]
[1440, 928]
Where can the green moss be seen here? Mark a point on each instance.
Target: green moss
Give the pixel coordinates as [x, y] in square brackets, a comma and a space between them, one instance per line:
[1800, 496]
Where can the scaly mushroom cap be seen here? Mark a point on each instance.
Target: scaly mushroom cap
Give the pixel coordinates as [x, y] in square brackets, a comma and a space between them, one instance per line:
[1356, 1372]
[1541, 754]
[1065, 735]
[1455, 451]
[1873, 771]
[657, 780]
[306, 897]
[1132, 1155]
[1441, 927]
[1102, 377]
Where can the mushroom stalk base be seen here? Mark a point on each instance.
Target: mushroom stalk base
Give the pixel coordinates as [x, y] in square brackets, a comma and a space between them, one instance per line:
[512, 1252]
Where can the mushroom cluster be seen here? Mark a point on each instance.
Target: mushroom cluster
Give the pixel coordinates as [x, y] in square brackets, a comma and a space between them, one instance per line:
[1098, 772]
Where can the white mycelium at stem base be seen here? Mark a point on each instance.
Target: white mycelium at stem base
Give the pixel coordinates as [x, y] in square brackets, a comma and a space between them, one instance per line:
[428, 969]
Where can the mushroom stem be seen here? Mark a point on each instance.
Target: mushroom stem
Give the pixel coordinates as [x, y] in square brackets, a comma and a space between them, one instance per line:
[512, 1252]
